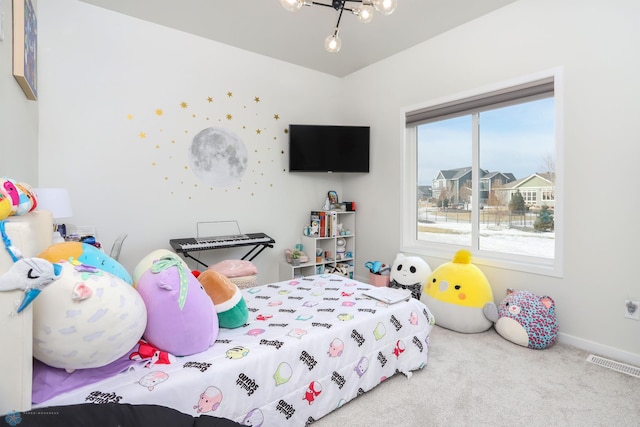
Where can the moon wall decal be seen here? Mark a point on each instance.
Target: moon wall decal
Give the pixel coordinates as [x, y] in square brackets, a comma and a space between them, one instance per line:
[218, 157]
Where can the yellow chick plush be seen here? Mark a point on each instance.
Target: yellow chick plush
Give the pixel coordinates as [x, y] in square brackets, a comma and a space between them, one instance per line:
[458, 294]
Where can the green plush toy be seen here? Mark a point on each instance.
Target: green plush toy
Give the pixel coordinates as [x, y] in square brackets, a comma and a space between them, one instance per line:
[227, 298]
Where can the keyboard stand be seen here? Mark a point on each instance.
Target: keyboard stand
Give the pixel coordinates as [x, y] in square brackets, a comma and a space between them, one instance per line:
[249, 256]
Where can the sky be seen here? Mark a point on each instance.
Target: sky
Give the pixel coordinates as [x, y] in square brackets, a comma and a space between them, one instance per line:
[516, 139]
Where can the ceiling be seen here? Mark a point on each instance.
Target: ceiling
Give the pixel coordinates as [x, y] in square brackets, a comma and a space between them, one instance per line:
[264, 27]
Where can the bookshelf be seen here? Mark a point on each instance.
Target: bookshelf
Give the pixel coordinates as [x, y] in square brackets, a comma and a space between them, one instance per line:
[337, 249]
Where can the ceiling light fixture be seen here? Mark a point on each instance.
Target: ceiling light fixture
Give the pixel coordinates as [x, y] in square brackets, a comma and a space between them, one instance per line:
[364, 12]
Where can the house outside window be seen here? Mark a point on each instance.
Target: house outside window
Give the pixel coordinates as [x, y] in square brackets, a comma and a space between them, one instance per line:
[507, 141]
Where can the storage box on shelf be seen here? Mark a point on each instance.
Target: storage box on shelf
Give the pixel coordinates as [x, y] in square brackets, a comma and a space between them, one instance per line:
[336, 252]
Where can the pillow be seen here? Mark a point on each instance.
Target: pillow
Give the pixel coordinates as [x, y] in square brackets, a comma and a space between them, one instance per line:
[234, 268]
[227, 298]
[181, 318]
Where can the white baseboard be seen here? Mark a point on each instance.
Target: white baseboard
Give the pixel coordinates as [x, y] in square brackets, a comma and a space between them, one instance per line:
[600, 349]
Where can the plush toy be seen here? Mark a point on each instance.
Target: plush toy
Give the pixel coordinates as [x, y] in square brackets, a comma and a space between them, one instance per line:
[527, 319]
[8, 187]
[409, 272]
[84, 253]
[16, 198]
[30, 275]
[145, 263]
[181, 318]
[457, 293]
[25, 198]
[87, 318]
[227, 298]
[5, 206]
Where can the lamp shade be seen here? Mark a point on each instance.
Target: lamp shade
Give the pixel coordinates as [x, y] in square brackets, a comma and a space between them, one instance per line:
[54, 200]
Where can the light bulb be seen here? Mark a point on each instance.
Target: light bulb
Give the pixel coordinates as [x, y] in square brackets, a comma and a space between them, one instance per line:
[385, 7]
[292, 5]
[333, 43]
[365, 13]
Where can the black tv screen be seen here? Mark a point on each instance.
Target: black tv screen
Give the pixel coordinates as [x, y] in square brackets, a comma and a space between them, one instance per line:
[327, 148]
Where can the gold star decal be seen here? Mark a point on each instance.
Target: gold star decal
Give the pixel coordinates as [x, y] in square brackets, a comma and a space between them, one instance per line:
[256, 99]
[142, 135]
[183, 104]
[159, 112]
[229, 94]
[129, 116]
[209, 99]
[258, 131]
[229, 117]
[276, 116]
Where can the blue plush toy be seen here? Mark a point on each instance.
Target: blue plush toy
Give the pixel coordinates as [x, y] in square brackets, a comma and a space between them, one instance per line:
[527, 319]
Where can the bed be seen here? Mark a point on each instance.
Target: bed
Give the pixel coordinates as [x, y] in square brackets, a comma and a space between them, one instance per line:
[310, 345]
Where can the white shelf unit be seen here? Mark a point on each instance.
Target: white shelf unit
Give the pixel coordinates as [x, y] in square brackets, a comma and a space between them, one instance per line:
[329, 248]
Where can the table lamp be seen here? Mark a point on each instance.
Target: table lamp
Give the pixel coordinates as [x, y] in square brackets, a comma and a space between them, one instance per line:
[58, 202]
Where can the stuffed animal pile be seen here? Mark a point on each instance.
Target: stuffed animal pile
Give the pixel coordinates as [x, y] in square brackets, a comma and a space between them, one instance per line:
[89, 312]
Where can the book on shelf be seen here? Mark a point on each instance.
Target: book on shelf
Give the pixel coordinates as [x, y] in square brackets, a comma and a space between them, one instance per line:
[315, 222]
[388, 295]
[323, 224]
[333, 224]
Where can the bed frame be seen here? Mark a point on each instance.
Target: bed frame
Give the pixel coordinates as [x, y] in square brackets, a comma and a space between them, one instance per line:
[30, 233]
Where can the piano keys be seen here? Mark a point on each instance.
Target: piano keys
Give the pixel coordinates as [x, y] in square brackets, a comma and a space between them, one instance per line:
[259, 241]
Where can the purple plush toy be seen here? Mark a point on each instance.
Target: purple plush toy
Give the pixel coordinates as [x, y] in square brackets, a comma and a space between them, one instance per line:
[181, 318]
[527, 319]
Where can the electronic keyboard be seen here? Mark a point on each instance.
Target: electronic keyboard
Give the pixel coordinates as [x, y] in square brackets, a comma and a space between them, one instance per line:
[205, 243]
[192, 244]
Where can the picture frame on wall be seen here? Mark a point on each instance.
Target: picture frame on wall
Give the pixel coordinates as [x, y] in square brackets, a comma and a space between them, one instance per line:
[25, 47]
[333, 197]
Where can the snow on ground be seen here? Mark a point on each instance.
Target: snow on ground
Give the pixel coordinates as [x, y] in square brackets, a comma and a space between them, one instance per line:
[496, 239]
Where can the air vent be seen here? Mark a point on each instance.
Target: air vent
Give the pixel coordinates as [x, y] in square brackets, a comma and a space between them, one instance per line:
[616, 366]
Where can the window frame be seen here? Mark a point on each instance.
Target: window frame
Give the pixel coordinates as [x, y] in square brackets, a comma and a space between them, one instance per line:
[409, 186]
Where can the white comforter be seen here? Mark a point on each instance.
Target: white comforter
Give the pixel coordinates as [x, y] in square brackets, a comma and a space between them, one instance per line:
[310, 346]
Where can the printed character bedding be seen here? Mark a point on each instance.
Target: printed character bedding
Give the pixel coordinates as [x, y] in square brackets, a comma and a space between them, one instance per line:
[310, 345]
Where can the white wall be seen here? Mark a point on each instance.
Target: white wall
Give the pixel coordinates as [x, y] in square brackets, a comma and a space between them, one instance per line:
[103, 77]
[596, 44]
[18, 115]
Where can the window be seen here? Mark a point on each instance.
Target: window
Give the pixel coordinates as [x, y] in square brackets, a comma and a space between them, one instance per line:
[506, 141]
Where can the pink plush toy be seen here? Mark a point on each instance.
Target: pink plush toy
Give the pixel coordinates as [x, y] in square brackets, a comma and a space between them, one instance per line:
[527, 319]
[181, 318]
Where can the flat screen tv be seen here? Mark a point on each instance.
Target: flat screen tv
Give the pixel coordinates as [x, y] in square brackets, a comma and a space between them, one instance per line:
[328, 148]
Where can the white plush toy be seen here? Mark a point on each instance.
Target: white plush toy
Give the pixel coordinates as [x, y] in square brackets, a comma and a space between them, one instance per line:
[409, 272]
[87, 318]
